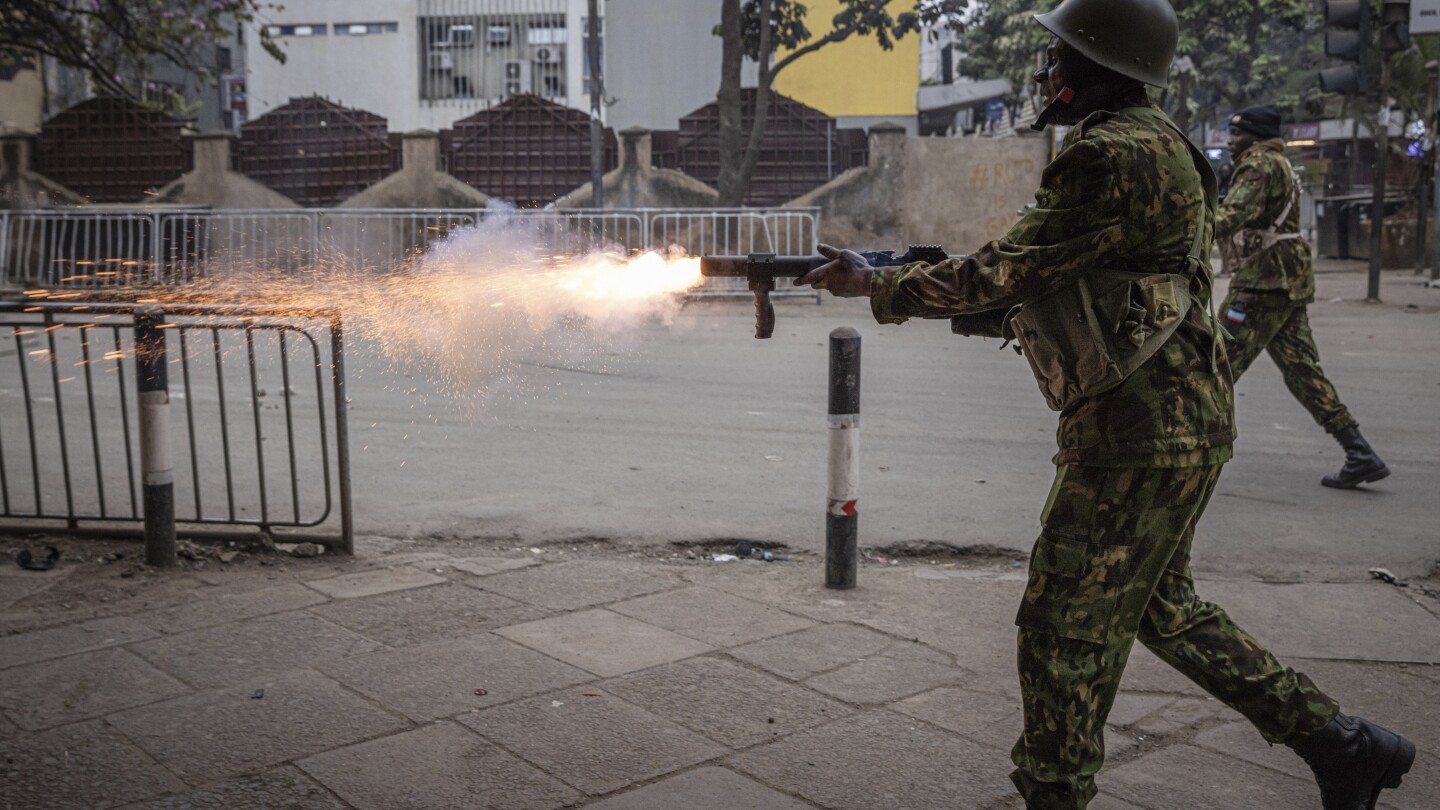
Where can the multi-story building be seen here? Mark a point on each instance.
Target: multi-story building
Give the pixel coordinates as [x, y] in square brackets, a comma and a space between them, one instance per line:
[420, 63]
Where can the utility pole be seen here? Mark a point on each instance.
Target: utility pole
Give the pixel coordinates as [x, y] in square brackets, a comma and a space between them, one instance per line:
[597, 105]
[1424, 245]
[1394, 37]
[1377, 202]
[1433, 123]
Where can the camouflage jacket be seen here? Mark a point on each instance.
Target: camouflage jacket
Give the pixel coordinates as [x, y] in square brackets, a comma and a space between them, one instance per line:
[1124, 193]
[1261, 187]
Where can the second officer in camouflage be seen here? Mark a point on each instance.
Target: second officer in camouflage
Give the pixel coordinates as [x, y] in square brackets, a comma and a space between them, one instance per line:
[1274, 283]
[1105, 284]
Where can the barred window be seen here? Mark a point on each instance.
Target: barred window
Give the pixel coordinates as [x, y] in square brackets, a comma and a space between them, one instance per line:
[307, 30]
[361, 29]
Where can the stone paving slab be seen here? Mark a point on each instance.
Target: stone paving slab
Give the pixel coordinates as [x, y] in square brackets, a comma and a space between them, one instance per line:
[814, 650]
[881, 759]
[702, 789]
[441, 678]
[603, 642]
[16, 583]
[80, 765]
[985, 718]
[56, 642]
[438, 767]
[1187, 776]
[1183, 717]
[578, 583]
[370, 583]
[725, 701]
[243, 651]
[900, 670]
[596, 744]
[284, 787]
[1370, 621]
[1145, 673]
[711, 616]
[1132, 707]
[971, 618]
[208, 610]
[484, 566]
[78, 687]
[214, 735]
[403, 618]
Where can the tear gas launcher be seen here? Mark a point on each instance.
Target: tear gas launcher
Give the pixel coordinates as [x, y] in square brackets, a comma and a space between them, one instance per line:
[763, 268]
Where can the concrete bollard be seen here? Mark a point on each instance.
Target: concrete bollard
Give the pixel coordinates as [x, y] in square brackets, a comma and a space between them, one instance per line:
[841, 518]
[153, 382]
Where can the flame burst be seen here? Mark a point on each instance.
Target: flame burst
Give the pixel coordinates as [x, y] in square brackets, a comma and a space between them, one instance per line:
[467, 314]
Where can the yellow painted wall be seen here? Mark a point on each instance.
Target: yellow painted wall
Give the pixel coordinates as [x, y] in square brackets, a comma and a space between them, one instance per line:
[854, 77]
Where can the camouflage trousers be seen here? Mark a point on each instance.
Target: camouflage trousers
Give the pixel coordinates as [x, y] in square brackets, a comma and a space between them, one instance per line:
[1283, 329]
[1112, 565]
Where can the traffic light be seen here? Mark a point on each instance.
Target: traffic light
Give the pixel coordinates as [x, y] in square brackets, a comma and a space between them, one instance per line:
[1395, 26]
[1347, 29]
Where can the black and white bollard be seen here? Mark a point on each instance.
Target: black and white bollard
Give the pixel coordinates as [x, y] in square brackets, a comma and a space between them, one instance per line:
[841, 518]
[155, 465]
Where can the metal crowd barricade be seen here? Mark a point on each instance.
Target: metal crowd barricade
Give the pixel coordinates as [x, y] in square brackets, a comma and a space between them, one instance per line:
[106, 247]
[261, 445]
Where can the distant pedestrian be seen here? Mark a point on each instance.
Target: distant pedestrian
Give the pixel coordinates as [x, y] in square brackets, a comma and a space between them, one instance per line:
[1274, 283]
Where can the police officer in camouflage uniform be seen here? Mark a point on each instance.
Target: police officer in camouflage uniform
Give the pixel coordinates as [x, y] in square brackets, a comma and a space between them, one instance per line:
[1105, 285]
[1274, 281]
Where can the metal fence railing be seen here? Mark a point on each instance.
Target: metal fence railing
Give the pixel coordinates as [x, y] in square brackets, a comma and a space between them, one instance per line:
[96, 248]
[257, 439]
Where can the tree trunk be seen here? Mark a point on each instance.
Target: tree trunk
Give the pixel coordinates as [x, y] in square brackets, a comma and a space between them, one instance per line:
[762, 104]
[732, 136]
[597, 100]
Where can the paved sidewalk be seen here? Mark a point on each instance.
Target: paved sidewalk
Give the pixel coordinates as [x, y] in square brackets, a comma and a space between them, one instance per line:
[476, 676]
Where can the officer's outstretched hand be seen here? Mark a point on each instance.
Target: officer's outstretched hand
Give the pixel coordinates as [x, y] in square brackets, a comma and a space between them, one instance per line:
[846, 275]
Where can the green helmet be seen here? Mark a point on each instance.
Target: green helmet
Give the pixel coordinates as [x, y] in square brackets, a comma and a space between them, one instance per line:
[1135, 38]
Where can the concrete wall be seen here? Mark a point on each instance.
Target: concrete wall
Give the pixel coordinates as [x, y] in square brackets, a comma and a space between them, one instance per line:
[22, 99]
[855, 77]
[211, 184]
[20, 187]
[419, 183]
[636, 183]
[661, 60]
[377, 73]
[960, 192]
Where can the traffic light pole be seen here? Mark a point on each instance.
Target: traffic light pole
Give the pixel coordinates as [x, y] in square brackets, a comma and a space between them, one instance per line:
[1377, 205]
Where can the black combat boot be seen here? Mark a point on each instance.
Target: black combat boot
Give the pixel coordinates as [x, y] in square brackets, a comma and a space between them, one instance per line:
[1362, 466]
[1353, 760]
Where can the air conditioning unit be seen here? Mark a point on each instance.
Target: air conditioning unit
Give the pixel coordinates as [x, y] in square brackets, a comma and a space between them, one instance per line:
[547, 56]
[517, 77]
[441, 61]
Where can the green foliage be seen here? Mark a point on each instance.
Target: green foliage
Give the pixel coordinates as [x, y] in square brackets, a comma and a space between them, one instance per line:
[1003, 41]
[116, 42]
[1243, 51]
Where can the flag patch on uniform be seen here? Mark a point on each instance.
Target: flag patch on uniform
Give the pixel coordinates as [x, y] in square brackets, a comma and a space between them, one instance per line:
[1235, 315]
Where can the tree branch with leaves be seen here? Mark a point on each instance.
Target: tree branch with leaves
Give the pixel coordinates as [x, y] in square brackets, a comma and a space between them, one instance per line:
[743, 36]
[117, 42]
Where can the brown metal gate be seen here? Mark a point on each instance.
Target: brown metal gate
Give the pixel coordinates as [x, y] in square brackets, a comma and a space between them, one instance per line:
[112, 150]
[802, 149]
[317, 152]
[527, 150]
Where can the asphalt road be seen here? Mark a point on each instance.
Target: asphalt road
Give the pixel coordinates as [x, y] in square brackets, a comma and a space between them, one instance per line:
[696, 431]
